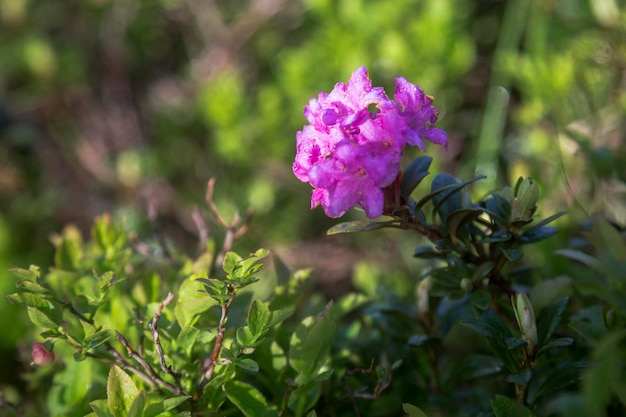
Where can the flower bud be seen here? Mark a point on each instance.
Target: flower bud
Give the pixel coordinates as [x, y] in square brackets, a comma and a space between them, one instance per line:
[467, 285]
[41, 355]
[525, 200]
[525, 316]
[423, 289]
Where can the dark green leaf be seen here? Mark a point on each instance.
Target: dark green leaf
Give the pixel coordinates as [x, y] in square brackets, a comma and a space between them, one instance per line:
[459, 218]
[537, 234]
[549, 319]
[491, 326]
[511, 254]
[497, 236]
[555, 378]
[427, 252]
[245, 337]
[476, 366]
[589, 323]
[556, 343]
[505, 407]
[481, 299]
[520, 378]
[452, 189]
[515, 342]
[414, 173]
[358, 226]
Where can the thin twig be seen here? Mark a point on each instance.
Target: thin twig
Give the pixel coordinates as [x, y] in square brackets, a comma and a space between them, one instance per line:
[210, 362]
[233, 231]
[203, 230]
[145, 365]
[157, 340]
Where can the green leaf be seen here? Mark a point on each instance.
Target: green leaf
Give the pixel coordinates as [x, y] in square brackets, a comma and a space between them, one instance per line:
[43, 320]
[413, 411]
[161, 406]
[309, 347]
[303, 398]
[247, 364]
[511, 254]
[549, 319]
[97, 338]
[232, 262]
[121, 392]
[358, 226]
[31, 300]
[245, 337]
[505, 407]
[138, 405]
[30, 274]
[259, 317]
[413, 174]
[246, 398]
[101, 408]
[451, 189]
[583, 258]
[191, 301]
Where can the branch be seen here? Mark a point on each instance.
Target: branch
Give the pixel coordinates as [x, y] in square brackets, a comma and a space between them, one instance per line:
[145, 365]
[157, 340]
[211, 361]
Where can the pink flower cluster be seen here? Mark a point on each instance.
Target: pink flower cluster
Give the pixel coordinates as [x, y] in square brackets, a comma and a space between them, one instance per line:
[351, 148]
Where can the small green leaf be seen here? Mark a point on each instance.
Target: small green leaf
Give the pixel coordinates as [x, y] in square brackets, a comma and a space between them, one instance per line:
[520, 378]
[413, 411]
[358, 226]
[191, 302]
[245, 337]
[247, 364]
[413, 174]
[476, 366]
[246, 398]
[121, 392]
[232, 262]
[505, 407]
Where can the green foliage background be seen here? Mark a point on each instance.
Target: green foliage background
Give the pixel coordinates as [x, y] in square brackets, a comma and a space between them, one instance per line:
[130, 107]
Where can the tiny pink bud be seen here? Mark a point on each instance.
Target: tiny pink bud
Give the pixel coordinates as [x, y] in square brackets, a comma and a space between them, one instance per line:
[41, 356]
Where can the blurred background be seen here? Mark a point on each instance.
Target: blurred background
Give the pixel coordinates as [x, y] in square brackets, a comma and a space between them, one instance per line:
[130, 106]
